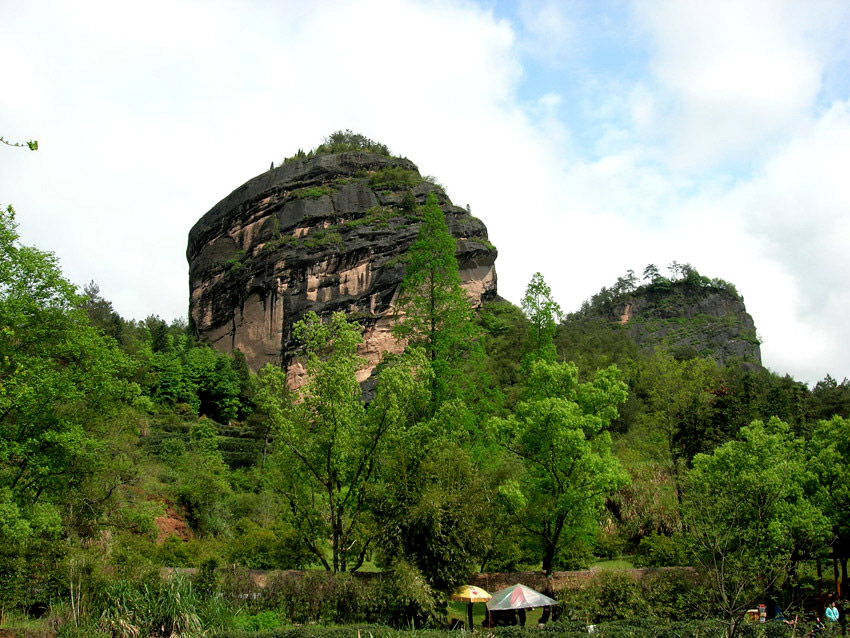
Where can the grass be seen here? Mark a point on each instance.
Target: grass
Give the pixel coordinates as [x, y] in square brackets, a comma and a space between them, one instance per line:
[458, 610]
[616, 563]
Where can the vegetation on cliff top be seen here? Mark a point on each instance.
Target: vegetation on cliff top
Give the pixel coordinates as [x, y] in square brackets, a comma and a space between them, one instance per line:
[653, 281]
[341, 142]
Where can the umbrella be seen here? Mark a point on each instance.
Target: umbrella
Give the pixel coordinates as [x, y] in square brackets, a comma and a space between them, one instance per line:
[470, 594]
[518, 597]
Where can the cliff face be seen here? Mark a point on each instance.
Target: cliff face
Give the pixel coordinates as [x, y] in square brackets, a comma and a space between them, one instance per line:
[323, 234]
[688, 319]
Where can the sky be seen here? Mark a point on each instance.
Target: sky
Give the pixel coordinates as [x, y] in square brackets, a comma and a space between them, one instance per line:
[591, 137]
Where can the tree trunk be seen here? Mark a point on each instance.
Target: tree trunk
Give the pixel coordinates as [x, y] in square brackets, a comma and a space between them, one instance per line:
[548, 558]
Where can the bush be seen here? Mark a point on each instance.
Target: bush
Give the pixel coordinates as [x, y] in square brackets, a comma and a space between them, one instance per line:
[341, 142]
[394, 177]
[166, 609]
[612, 596]
[410, 601]
[320, 597]
[674, 594]
[658, 550]
[261, 621]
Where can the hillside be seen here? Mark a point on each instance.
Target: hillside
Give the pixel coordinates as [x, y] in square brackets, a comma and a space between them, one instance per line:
[689, 316]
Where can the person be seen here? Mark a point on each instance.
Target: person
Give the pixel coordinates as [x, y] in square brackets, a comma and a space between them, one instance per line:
[817, 629]
[832, 613]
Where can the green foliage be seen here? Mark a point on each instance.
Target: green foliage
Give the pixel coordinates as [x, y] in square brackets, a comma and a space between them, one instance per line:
[626, 286]
[408, 203]
[261, 621]
[659, 550]
[280, 242]
[277, 547]
[61, 382]
[611, 597]
[394, 178]
[746, 512]
[162, 609]
[31, 144]
[431, 515]
[505, 330]
[433, 308]
[830, 398]
[328, 443]
[321, 238]
[314, 192]
[341, 142]
[412, 603]
[559, 432]
[543, 314]
[377, 216]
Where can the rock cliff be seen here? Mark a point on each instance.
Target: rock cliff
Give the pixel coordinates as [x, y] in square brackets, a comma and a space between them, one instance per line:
[326, 233]
[688, 319]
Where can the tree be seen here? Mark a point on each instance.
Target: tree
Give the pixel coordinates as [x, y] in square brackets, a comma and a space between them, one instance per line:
[433, 308]
[432, 514]
[329, 444]
[543, 314]
[830, 398]
[650, 273]
[559, 432]
[60, 380]
[830, 450]
[677, 400]
[747, 512]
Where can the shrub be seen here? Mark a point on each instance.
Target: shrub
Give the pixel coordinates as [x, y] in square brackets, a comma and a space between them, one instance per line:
[312, 193]
[410, 601]
[612, 596]
[341, 142]
[164, 609]
[261, 621]
[323, 237]
[320, 597]
[659, 550]
[394, 177]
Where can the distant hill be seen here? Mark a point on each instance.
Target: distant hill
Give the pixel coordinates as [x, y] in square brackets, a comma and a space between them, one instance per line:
[689, 315]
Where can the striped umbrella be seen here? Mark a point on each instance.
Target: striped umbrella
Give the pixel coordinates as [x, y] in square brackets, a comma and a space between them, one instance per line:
[518, 597]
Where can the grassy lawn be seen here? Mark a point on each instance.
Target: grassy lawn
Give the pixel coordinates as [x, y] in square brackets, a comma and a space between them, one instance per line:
[617, 563]
[458, 610]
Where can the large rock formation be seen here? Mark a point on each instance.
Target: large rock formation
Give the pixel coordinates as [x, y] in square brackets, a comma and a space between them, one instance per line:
[326, 233]
[705, 318]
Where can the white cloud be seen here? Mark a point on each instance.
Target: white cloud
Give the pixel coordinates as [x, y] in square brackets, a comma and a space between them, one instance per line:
[735, 76]
[550, 31]
[148, 117]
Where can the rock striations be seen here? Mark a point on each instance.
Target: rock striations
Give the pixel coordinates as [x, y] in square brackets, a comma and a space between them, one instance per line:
[327, 233]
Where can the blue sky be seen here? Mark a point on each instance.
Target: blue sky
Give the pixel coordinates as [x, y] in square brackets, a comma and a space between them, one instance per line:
[591, 137]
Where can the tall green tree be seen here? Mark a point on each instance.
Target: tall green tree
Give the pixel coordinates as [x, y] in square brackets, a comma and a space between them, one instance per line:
[830, 451]
[60, 381]
[559, 431]
[747, 511]
[330, 445]
[543, 314]
[434, 311]
[676, 419]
